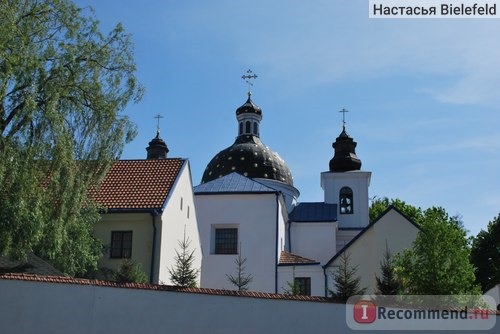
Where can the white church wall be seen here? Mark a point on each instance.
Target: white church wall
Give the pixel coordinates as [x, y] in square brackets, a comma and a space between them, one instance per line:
[287, 274]
[316, 241]
[255, 216]
[344, 236]
[368, 250]
[142, 238]
[178, 215]
[359, 182]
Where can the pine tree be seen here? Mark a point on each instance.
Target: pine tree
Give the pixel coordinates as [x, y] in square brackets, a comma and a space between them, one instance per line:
[183, 273]
[130, 272]
[345, 280]
[241, 280]
[388, 284]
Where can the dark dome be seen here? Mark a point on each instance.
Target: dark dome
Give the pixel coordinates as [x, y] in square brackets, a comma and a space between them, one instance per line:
[249, 107]
[249, 157]
[345, 158]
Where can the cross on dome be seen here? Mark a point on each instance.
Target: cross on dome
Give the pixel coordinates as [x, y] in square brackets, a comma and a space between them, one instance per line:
[158, 122]
[248, 77]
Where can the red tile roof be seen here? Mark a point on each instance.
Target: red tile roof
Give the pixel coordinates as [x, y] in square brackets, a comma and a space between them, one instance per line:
[138, 184]
[287, 258]
[147, 286]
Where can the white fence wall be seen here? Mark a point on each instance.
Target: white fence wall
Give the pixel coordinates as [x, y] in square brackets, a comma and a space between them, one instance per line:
[41, 307]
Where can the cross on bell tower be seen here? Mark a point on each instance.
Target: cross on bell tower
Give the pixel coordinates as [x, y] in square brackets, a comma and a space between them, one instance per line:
[343, 111]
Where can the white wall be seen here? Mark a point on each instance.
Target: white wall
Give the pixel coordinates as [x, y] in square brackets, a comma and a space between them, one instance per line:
[174, 220]
[286, 274]
[49, 308]
[35, 307]
[255, 217]
[358, 181]
[368, 250]
[316, 241]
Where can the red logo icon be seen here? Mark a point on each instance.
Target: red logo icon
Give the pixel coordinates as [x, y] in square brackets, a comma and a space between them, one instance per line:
[365, 312]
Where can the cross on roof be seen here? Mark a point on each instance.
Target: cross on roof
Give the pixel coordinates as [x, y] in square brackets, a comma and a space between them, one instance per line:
[158, 122]
[248, 77]
[343, 111]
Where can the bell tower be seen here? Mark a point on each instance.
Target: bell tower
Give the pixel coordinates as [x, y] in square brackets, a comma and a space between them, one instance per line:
[345, 184]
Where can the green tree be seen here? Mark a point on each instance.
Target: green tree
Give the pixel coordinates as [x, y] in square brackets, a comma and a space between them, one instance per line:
[485, 255]
[379, 205]
[130, 272]
[183, 273]
[388, 283]
[346, 281]
[241, 280]
[63, 88]
[438, 262]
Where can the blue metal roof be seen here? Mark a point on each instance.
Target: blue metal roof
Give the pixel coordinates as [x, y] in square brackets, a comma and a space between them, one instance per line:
[233, 182]
[314, 212]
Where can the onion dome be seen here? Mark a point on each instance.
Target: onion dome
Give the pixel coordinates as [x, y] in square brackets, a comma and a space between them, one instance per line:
[157, 148]
[345, 158]
[248, 156]
[249, 107]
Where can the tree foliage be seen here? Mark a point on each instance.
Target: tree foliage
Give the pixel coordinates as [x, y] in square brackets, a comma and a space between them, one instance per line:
[379, 205]
[63, 88]
[130, 272]
[183, 273]
[387, 283]
[438, 262]
[346, 281]
[241, 279]
[485, 255]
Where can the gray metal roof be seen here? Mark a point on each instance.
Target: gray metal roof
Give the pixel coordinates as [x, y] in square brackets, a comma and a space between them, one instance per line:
[233, 182]
[34, 265]
[314, 212]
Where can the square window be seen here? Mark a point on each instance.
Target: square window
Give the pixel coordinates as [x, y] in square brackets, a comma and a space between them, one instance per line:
[121, 244]
[226, 241]
[304, 285]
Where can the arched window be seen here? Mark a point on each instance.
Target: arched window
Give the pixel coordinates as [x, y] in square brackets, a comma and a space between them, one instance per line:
[256, 128]
[247, 127]
[241, 128]
[345, 200]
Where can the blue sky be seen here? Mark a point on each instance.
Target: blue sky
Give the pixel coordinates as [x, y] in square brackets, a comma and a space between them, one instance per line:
[423, 94]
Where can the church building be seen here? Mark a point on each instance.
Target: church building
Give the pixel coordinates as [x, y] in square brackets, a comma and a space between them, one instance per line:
[247, 206]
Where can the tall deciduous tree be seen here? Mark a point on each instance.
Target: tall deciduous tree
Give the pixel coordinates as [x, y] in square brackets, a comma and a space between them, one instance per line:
[63, 88]
[438, 262]
[485, 255]
[379, 205]
[346, 280]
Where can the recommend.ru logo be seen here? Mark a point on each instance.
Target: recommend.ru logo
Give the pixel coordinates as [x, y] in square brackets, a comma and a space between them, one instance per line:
[460, 312]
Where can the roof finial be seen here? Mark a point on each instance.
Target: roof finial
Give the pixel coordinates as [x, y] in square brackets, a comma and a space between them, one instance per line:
[158, 124]
[343, 111]
[248, 79]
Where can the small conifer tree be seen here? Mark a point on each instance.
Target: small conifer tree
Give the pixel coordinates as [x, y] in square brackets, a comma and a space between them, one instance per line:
[183, 273]
[345, 280]
[130, 272]
[388, 283]
[241, 280]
